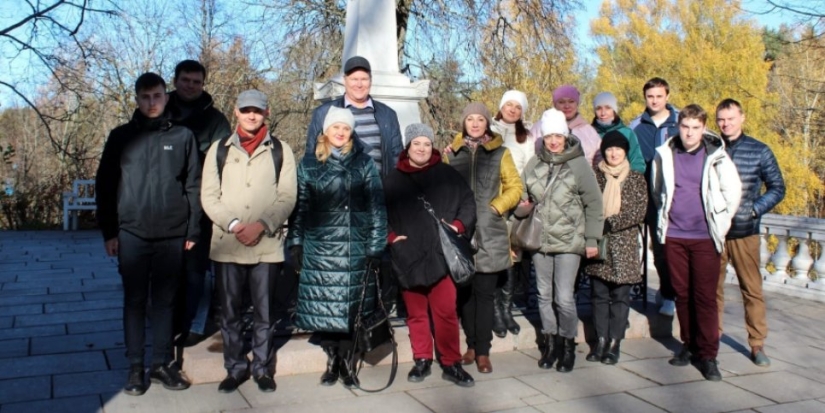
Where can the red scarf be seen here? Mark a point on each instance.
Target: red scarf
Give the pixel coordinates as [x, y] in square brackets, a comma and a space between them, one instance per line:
[404, 165]
[250, 143]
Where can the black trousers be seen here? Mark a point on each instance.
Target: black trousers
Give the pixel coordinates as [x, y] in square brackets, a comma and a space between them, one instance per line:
[475, 303]
[611, 306]
[259, 280]
[190, 293]
[149, 267]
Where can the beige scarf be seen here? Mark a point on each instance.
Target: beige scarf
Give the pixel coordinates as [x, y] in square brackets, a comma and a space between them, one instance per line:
[612, 194]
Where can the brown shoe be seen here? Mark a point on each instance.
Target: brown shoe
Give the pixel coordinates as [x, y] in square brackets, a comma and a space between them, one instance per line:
[469, 357]
[484, 365]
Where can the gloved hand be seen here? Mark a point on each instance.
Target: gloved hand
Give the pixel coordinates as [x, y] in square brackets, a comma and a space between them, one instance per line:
[374, 262]
[296, 252]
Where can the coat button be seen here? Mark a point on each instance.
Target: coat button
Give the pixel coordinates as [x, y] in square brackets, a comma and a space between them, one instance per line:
[248, 184]
[247, 207]
[237, 160]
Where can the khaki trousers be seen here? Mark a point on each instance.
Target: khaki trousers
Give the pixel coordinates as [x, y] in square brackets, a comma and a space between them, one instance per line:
[744, 254]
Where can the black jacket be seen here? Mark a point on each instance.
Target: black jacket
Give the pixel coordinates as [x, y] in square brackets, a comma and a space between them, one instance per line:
[391, 143]
[148, 181]
[756, 165]
[418, 260]
[203, 119]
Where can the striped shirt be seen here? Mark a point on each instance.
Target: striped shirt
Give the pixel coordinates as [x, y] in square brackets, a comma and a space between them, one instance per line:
[366, 126]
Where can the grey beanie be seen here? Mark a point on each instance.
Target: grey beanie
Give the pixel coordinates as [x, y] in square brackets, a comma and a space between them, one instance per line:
[477, 108]
[606, 99]
[336, 115]
[415, 130]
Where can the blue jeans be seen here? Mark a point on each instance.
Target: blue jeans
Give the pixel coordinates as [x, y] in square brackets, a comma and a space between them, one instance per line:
[556, 281]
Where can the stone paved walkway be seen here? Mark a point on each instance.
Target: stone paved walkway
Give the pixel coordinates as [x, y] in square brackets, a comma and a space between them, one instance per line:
[61, 350]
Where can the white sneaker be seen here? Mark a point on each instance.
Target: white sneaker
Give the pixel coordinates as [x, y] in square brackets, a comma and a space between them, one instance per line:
[668, 308]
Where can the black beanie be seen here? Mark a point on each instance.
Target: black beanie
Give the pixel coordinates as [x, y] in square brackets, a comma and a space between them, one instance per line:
[614, 139]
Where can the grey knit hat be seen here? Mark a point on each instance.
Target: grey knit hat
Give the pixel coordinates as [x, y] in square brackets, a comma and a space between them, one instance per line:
[476, 108]
[606, 99]
[415, 130]
[336, 115]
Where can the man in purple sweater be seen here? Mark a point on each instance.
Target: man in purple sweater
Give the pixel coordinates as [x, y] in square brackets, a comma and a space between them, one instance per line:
[696, 190]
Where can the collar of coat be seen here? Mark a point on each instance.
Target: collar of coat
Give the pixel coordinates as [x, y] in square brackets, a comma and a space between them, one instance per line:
[493, 144]
[711, 140]
[573, 149]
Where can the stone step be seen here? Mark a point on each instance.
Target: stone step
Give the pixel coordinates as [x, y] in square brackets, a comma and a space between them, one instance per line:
[203, 363]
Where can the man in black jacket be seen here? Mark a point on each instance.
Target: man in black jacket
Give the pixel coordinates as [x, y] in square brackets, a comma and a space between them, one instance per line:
[756, 165]
[147, 191]
[192, 107]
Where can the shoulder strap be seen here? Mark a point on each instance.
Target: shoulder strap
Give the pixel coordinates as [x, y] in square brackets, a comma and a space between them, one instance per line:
[553, 174]
[277, 157]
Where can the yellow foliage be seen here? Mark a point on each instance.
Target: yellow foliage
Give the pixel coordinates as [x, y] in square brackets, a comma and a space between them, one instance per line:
[707, 51]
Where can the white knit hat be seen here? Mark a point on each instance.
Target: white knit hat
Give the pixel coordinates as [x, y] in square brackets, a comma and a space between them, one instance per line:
[606, 99]
[336, 115]
[514, 95]
[553, 122]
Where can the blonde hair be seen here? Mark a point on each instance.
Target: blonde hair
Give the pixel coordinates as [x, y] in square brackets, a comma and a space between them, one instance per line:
[323, 149]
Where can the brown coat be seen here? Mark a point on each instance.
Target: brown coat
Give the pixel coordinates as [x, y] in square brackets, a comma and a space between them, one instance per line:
[623, 262]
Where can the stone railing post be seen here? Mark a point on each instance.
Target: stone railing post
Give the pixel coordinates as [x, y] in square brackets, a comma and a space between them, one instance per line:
[764, 253]
[780, 258]
[802, 262]
[819, 264]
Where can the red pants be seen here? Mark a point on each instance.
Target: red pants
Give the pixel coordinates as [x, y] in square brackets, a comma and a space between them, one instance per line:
[694, 272]
[439, 298]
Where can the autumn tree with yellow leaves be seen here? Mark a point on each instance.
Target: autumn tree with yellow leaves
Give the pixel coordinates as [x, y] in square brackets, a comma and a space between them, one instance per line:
[707, 50]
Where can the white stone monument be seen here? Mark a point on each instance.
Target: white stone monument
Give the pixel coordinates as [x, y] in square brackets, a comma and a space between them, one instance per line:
[370, 33]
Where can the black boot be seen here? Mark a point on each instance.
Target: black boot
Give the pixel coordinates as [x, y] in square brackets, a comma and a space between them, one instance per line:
[550, 351]
[420, 370]
[348, 379]
[136, 383]
[457, 375]
[568, 355]
[612, 354]
[507, 302]
[332, 373]
[598, 351]
[499, 327]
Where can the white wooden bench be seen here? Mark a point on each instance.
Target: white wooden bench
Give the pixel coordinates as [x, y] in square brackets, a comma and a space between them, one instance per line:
[82, 197]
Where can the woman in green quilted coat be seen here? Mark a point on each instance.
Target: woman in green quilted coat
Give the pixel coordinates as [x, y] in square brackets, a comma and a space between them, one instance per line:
[339, 227]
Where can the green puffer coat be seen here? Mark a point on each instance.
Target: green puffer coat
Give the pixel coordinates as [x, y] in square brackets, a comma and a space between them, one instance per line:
[571, 212]
[340, 220]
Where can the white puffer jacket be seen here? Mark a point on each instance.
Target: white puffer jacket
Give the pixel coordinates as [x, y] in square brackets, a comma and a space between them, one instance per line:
[721, 187]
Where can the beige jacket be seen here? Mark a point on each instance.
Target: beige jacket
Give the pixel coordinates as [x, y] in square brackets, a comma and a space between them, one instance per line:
[248, 193]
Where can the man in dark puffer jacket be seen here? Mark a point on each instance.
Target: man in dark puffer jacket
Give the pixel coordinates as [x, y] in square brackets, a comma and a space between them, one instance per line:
[756, 165]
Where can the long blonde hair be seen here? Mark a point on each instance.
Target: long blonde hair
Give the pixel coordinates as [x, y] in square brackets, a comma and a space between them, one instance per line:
[323, 149]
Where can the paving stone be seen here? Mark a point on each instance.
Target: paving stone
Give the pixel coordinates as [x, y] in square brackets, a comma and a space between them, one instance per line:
[85, 404]
[518, 410]
[46, 274]
[7, 277]
[613, 403]
[374, 377]
[25, 291]
[25, 389]
[485, 396]
[103, 281]
[62, 318]
[27, 266]
[654, 348]
[537, 400]
[18, 347]
[39, 331]
[808, 406]
[103, 295]
[302, 389]
[39, 283]
[659, 371]
[81, 384]
[85, 288]
[781, 386]
[52, 364]
[197, 399]
[95, 326]
[741, 364]
[7, 300]
[797, 355]
[77, 342]
[6, 322]
[82, 306]
[585, 382]
[21, 309]
[700, 396]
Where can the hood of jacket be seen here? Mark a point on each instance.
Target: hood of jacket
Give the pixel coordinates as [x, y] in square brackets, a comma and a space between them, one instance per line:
[199, 105]
[573, 149]
[711, 141]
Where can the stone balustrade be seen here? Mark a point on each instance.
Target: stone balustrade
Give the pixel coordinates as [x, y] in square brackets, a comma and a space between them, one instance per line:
[801, 274]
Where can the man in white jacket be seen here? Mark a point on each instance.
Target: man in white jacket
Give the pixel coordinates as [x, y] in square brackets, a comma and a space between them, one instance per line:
[697, 190]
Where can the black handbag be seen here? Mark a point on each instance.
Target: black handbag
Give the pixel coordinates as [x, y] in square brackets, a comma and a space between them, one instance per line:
[456, 249]
[371, 332]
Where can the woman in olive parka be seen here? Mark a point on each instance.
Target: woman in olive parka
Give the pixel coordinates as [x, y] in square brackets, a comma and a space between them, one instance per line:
[339, 227]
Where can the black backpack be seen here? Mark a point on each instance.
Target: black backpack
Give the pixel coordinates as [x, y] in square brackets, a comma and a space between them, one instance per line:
[277, 156]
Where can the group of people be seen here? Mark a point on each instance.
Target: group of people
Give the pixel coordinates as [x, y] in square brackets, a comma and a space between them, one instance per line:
[179, 192]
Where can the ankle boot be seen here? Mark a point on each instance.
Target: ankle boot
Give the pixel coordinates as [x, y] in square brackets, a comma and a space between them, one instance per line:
[611, 356]
[568, 355]
[598, 351]
[550, 351]
[507, 302]
[347, 378]
[499, 327]
[332, 373]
